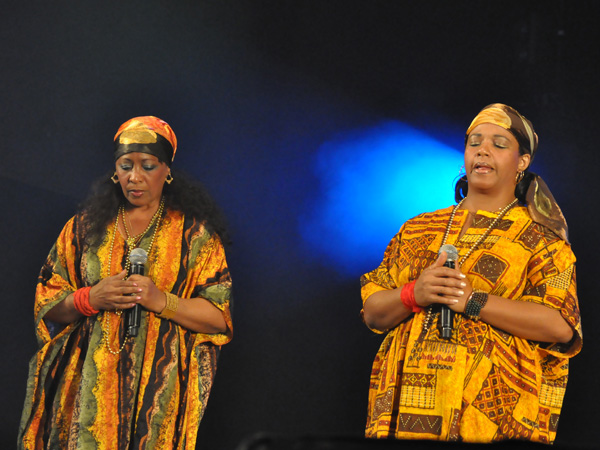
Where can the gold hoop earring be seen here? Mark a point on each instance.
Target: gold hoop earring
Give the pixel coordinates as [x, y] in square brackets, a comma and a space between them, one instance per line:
[169, 178]
[519, 177]
[115, 178]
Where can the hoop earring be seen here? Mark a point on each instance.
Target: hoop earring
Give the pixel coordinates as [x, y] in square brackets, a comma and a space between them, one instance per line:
[169, 178]
[461, 176]
[115, 178]
[520, 176]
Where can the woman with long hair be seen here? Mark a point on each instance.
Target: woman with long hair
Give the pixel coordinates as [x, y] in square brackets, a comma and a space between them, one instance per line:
[131, 308]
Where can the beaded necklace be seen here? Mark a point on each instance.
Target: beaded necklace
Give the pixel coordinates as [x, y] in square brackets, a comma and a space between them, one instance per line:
[427, 322]
[484, 235]
[132, 242]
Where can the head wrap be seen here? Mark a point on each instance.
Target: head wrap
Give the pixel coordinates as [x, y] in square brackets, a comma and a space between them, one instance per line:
[146, 134]
[541, 205]
[509, 119]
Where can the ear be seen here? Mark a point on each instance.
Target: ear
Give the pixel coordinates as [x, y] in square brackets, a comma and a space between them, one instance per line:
[524, 161]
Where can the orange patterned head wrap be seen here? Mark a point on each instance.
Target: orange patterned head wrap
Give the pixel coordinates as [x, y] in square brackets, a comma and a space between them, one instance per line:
[146, 134]
[509, 119]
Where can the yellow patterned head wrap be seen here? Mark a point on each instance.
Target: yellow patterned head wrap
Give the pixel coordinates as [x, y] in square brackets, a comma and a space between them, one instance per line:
[146, 134]
[509, 119]
[541, 204]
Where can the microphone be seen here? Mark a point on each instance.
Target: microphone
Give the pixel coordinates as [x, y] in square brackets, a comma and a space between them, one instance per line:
[446, 322]
[137, 258]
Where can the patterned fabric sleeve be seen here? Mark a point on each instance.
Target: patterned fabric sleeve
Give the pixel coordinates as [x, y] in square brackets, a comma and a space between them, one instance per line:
[208, 277]
[552, 283]
[57, 279]
[383, 277]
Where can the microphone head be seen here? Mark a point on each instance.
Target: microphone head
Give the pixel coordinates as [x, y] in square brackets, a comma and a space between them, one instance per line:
[450, 251]
[138, 256]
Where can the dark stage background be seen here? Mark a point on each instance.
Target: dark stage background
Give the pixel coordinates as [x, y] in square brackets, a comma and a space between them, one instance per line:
[252, 89]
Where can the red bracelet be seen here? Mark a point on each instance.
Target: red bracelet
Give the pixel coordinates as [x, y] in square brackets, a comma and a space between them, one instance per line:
[407, 295]
[81, 300]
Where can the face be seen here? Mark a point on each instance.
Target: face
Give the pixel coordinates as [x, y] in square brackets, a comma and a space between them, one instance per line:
[142, 177]
[492, 159]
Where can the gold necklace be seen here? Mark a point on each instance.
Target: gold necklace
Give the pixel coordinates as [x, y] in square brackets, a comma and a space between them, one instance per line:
[485, 234]
[131, 243]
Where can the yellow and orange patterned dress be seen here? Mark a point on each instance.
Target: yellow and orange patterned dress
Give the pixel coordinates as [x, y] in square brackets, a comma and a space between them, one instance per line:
[153, 393]
[483, 385]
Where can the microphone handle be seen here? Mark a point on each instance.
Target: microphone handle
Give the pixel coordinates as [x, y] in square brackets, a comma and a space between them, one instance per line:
[446, 322]
[134, 315]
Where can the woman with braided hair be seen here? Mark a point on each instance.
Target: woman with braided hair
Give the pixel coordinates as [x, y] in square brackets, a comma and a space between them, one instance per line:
[509, 303]
[97, 382]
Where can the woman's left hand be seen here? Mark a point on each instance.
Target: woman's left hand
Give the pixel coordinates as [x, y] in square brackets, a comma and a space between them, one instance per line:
[150, 297]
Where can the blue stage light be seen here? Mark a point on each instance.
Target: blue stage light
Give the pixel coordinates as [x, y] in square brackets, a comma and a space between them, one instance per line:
[372, 181]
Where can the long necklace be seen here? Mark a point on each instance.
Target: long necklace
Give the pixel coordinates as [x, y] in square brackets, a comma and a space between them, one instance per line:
[485, 234]
[131, 242]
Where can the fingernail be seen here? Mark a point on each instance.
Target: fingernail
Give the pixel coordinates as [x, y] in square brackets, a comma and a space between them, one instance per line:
[462, 275]
[461, 292]
[463, 284]
[454, 301]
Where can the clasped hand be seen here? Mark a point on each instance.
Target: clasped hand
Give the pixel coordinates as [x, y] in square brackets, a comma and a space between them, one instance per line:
[117, 293]
[443, 285]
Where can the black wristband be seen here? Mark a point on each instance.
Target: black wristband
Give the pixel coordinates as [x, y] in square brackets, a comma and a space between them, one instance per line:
[475, 304]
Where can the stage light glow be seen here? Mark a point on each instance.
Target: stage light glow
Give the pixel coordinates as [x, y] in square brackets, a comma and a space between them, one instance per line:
[372, 181]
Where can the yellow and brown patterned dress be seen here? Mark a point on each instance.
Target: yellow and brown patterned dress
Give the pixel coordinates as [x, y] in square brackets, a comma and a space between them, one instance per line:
[153, 393]
[484, 385]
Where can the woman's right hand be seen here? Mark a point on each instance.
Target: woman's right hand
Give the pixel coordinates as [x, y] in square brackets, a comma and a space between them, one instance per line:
[439, 284]
[114, 293]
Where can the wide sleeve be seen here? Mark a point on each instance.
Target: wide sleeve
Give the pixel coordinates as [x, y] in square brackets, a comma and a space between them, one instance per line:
[208, 277]
[551, 282]
[390, 274]
[58, 278]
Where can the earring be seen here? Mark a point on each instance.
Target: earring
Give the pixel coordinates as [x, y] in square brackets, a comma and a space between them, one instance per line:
[462, 174]
[115, 178]
[169, 178]
[520, 176]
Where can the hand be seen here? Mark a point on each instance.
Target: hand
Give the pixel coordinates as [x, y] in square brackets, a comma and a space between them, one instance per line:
[115, 293]
[439, 284]
[148, 295]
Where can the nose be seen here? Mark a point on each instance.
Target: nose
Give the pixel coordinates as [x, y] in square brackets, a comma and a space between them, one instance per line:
[134, 175]
[483, 148]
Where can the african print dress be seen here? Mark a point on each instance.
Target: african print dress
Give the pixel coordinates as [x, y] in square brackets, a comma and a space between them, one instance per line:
[82, 392]
[484, 384]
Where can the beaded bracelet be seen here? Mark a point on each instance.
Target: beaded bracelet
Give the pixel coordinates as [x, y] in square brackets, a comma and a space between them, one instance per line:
[81, 301]
[170, 308]
[407, 295]
[475, 304]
